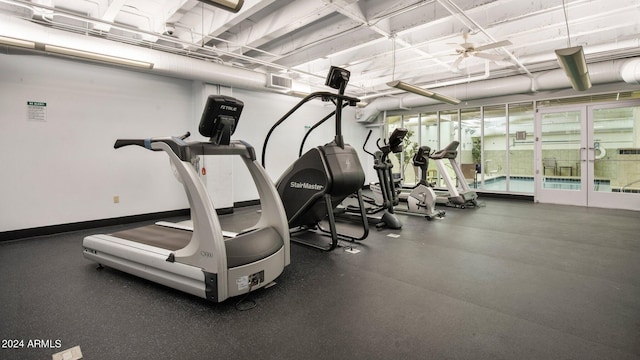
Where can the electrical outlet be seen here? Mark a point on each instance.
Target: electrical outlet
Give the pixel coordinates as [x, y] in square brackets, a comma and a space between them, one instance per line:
[116, 199]
[256, 279]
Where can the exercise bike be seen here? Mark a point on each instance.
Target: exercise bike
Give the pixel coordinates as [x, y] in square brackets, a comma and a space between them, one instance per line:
[422, 199]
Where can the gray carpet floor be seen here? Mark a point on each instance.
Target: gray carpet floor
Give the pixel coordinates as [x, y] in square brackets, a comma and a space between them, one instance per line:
[511, 280]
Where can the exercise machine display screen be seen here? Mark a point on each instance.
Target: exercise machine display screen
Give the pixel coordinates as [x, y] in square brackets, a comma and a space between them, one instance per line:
[220, 118]
[338, 78]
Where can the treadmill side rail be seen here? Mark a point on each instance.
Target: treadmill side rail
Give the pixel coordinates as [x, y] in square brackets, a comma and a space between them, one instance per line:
[151, 265]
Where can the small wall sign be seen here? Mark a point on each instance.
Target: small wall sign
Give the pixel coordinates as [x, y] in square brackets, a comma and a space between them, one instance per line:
[36, 111]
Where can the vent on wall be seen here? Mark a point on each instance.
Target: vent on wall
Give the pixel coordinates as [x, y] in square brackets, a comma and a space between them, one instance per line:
[629, 151]
[279, 82]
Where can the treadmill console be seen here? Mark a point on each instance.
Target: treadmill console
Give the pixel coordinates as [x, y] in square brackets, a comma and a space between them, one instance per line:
[220, 118]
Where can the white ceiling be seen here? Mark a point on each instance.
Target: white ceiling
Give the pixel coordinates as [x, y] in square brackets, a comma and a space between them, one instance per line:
[377, 40]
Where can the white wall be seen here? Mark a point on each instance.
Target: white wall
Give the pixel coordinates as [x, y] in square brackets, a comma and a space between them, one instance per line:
[65, 170]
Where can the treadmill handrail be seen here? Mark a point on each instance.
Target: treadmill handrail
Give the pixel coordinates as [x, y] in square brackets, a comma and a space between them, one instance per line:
[235, 147]
[184, 150]
[325, 95]
[177, 144]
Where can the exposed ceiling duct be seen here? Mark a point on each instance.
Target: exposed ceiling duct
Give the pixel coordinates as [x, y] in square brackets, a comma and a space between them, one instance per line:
[300, 40]
[164, 63]
[173, 65]
[627, 70]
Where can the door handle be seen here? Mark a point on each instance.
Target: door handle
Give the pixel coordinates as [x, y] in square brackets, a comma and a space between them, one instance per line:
[581, 157]
[592, 150]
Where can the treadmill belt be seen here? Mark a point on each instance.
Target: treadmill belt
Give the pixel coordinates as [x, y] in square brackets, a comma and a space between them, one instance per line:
[159, 236]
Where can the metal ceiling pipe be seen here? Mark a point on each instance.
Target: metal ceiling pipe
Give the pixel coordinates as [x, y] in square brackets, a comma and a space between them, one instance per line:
[164, 63]
[627, 70]
[631, 72]
[168, 64]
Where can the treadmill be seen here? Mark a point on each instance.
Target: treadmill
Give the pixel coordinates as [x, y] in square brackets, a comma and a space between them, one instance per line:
[196, 257]
[458, 194]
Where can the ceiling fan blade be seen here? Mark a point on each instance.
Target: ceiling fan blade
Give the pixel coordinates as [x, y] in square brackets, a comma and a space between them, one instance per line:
[489, 56]
[494, 45]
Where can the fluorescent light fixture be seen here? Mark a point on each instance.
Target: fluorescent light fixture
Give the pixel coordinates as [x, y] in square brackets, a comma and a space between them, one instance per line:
[574, 64]
[420, 91]
[17, 42]
[229, 5]
[97, 57]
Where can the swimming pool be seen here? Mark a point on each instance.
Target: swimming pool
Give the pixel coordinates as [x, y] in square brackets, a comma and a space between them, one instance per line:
[525, 184]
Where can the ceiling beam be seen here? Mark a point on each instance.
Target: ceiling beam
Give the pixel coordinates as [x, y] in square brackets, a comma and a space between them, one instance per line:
[283, 21]
[109, 15]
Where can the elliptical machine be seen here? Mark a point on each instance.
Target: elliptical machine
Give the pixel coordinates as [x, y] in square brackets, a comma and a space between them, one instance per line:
[315, 184]
[421, 200]
[384, 191]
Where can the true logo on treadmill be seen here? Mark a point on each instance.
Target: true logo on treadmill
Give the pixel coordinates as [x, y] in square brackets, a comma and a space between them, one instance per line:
[227, 107]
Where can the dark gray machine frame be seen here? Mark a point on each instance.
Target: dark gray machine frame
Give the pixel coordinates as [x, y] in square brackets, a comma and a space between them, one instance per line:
[385, 187]
[315, 184]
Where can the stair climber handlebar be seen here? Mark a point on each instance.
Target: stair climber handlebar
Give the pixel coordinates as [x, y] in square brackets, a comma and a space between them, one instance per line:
[340, 100]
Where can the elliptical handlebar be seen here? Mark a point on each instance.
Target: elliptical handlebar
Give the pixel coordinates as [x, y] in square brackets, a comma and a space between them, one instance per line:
[364, 146]
[385, 148]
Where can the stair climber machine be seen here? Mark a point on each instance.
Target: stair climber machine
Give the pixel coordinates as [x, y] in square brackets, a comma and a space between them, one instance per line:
[198, 258]
[385, 196]
[458, 194]
[314, 185]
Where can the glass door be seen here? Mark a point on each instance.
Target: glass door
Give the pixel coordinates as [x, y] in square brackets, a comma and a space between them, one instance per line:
[561, 156]
[613, 155]
[589, 156]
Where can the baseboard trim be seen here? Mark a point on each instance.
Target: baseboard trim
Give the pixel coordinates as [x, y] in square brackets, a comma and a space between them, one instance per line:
[506, 196]
[240, 204]
[83, 225]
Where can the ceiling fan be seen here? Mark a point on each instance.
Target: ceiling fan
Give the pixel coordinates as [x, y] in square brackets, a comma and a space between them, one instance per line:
[468, 49]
